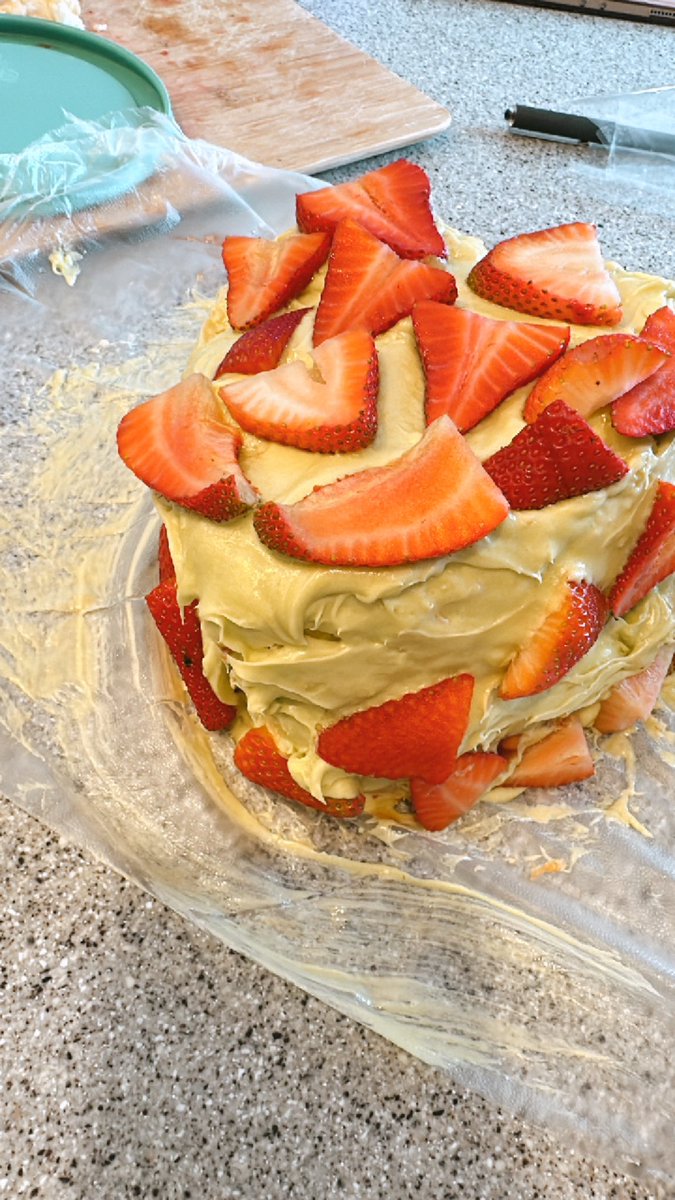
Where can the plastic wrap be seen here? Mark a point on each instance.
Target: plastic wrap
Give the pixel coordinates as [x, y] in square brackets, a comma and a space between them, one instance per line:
[527, 951]
[637, 161]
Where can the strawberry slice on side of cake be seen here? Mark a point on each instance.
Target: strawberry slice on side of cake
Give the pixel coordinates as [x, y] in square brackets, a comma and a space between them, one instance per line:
[472, 363]
[557, 273]
[633, 699]
[257, 757]
[178, 444]
[369, 287]
[399, 513]
[264, 276]
[565, 635]
[437, 805]
[653, 556]
[393, 203]
[417, 735]
[182, 633]
[336, 412]
[562, 756]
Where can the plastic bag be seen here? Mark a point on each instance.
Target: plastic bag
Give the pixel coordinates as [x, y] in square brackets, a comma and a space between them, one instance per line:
[637, 161]
[528, 951]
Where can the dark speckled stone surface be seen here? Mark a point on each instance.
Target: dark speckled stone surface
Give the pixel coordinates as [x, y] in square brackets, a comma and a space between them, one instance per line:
[138, 1057]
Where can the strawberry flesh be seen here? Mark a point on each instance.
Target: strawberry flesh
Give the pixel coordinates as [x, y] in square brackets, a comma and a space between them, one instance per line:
[562, 639]
[369, 287]
[393, 203]
[257, 757]
[402, 512]
[264, 276]
[632, 699]
[559, 758]
[652, 558]
[595, 373]
[557, 457]
[335, 413]
[437, 805]
[471, 363]
[416, 736]
[649, 407]
[261, 348]
[556, 273]
[178, 444]
[182, 634]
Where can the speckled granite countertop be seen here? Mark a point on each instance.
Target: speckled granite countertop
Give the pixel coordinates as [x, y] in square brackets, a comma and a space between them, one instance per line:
[139, 1057]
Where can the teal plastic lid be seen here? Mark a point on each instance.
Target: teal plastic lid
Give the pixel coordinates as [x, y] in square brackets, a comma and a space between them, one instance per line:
[49, 72]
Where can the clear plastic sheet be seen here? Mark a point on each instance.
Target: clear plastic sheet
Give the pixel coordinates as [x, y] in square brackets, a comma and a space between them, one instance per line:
[528, 951]
[637, 160]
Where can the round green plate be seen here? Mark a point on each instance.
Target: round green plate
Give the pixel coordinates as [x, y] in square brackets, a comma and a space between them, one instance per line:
[50, 73]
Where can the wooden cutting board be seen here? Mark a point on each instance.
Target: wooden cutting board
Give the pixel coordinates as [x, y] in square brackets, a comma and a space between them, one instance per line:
[266, 79]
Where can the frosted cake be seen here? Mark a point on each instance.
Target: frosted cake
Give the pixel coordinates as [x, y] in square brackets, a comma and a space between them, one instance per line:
[418, 504]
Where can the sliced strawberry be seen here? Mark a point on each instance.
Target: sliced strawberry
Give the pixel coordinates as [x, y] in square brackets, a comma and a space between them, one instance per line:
[178, 444]
[335, 413]
[164, 559]
[649, 408]
[183, 636]
[562, 639]
[264, 276]
[659, 329]
[369, 287]
[652, 558]
[557, 457]
[261, 348]
[595, 373]
[436, 805]
[391, 202]
[403, 512]
[556, 273]
[471, 363]
[416, 736]
[633, 699]
[559, 758]
[257, 758]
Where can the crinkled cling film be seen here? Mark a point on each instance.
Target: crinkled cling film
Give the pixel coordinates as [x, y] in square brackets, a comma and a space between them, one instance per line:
[528, 950]
[636, 164]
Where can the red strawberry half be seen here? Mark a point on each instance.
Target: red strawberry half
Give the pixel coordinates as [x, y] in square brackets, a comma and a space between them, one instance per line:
[653, 557]
[264, 276]
[257, 758]
[559, 758]
[178, 444]
[416, 736]
[595, 373]
[472, 363]
[649, 408]
[557, 457]
[632, 699]
[556, 273]
[392, 203]
[437, 805]
[562, 639]
[335, 413]
[261, 348]
[369, 287]
[403, 512]
[164, 559]
[182, 634]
